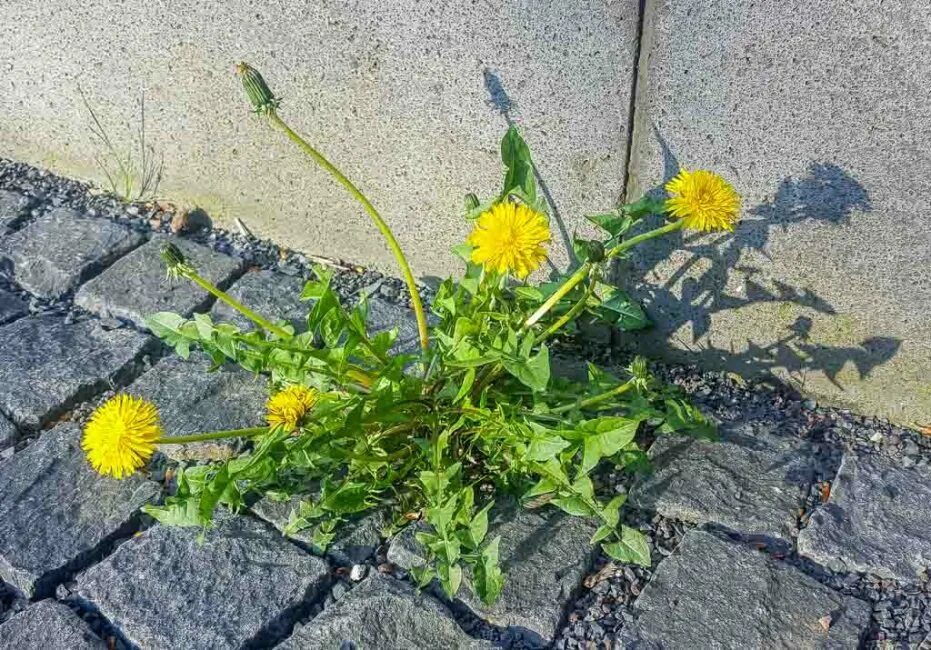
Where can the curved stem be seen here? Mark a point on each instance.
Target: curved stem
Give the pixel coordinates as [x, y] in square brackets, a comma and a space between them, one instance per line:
[597, 399]
[633, 241]
[210, 288]
[372, 212]
[569, 315]
[212, 435]
[566, 287]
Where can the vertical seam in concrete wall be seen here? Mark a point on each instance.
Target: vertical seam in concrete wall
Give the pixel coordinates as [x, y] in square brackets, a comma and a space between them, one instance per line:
[632, 108]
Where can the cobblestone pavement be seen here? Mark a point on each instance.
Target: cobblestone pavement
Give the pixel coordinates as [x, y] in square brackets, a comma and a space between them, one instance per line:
[803, 527]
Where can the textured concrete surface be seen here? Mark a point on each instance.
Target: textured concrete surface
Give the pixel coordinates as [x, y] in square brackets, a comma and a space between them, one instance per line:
[394, 92]
[717, 594]
[878, 520]
[818, 112]
[55, 510]
[168, 588]
[136, 287]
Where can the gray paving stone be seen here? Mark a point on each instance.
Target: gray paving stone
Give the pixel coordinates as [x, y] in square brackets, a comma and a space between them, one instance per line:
[275, 296]
[54, 254]
[544, 559]
[12, 306]
[13, 208]
[136, 287]
[384, 613]
[55, 510]
[170, 588]
[717, 594]
[47, 364]
[8, 433]
[192, 400]
[877, 520]
[384, 315]
[752, 482]
[355, 542]
[48, 625]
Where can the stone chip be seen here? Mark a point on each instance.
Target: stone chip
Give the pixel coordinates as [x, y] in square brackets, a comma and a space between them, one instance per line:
[48, 625]
[717, 594]
[238, 583]
[57, 252]
[55, 511]
[877, 520]
[384, 613]
[48, 364]
[136, 287]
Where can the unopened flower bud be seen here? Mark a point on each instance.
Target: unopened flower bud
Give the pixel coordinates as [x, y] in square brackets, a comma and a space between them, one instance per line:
[175, 264]
[263, 101]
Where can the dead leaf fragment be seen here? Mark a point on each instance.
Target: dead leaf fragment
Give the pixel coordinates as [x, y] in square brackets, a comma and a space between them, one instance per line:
[825, 622]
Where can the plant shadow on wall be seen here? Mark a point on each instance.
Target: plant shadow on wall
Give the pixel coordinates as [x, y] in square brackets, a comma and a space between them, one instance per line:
[698, 289]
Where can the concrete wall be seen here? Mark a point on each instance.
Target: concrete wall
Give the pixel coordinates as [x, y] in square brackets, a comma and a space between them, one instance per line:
[394, 91]
[819, 112]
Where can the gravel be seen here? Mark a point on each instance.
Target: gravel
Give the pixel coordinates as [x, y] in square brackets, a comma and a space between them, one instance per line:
[901, 609]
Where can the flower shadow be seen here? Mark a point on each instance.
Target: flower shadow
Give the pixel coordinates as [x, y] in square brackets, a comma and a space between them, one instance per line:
[704, 283]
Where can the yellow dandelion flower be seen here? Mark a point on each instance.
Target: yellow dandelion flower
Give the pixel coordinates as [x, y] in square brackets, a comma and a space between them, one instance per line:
[510, 237]
[703, 200]
[288, 407]
[121, 435]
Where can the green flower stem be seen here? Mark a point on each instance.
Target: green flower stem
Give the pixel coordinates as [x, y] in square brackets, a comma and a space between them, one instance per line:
[597, 399]
[569, 315]
[235, 304]
[633, 241]
[566, 287]
[212, 435]
[372, 212]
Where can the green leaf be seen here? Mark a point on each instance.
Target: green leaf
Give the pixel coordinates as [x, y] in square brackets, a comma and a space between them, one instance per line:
[605, 437]
[644, 207]
[617, 308]
[573, 505]
[515, 154]
[488, 578]
[544, 446]
[615, 224]
[349, 497]
[684, 417]
[450, 578]
[184, 512]
[588, 250]
[533, 372]
[632, 548]
[478, 527]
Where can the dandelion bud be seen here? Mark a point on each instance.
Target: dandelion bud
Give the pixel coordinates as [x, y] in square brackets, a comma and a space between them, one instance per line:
[470, 202]
[263, 101]
[176, 265]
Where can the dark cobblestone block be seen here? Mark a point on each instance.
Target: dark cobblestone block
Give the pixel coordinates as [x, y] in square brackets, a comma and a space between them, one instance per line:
[135, 287]
[54, 254]
[355, 541]
[878, 520]
[8, 433]
[750, 481]
[275, 296]
[168, 588]
[55, 510]
[12, 306]
[384, 315]
[717, 594]
[13, 208]
[48, 364]
[191, 400]
[544, 559]
[384, 613]
[48, 625]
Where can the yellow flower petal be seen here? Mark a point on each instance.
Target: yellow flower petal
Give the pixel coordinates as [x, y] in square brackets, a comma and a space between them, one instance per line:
[120, 437]
[288, 407]
[703, 200]
[510, 238]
